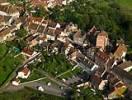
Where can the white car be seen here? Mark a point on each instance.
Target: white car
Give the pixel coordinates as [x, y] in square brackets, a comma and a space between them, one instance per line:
[40, 88]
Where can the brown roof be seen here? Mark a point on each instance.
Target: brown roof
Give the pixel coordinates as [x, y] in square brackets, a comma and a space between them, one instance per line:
[7, 31]
[103, 33]
[8, 9]
[33, 26]
[120, 84]
[77, 54]
[125, 64]
[102, 56]
[36, 19]
[3, 1]
[41, 29]
[4, 18]
[1, 18]
[25, 70]
[101, 40]
[58, 31]
[78, 34]
[27, 50]
[119, 51]
[42, 37]
[52, 24]
[112, 79]
[39, 2]
[71, 50]
[95, 80]
[50, 31]
[45, 2]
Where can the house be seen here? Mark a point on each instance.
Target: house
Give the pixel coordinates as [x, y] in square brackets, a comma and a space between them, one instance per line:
[2, 27]
[68, 46]
[47, 3]
[123, 75]
[42, 38]
[24, 73]
[39, 2]
[102, 84]
[83, 62]
[70, 28]
[102, 40]
[95, 80]
[79, 38]
[120, 52]
[101, 58]
[6, 34]
[52, 34]
[9, 10]
[118, 91]
[5, 20]
[112, 79]
[76, 55]
[127, 66]
[33, 43]
[15, 82]
[4, 2]
[32, 27]
[28, 52]
[17, 22]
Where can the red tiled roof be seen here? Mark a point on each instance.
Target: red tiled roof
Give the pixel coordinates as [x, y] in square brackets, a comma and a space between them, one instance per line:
[121, 48]
[95, 80]
[25, 70]
[103, 56]
[101, 41]
[27, 50]
[103, 33]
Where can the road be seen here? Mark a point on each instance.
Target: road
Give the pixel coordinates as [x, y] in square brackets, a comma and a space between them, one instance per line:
[52, 89]
[53, 79]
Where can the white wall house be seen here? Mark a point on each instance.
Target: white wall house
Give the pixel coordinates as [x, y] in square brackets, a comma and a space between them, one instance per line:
[24, 73]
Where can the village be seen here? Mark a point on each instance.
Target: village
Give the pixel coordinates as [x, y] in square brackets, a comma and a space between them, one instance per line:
[99, 63]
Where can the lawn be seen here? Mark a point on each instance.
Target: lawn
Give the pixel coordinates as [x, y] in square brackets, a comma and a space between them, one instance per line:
[27, 94]
[54, 64]
[126, 8]
[125, 3]
[70, 73]
[7, 62]
[3, 50]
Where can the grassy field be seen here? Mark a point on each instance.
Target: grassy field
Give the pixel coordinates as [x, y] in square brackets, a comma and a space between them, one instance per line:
[54, 64]
[7, 62]
[27, 94]
[125, 3]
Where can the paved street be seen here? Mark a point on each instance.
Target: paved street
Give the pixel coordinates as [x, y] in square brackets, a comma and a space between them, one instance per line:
[53, 79]
[54, 90]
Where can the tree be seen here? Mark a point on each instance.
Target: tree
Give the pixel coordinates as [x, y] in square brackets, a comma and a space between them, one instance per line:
[21, 33]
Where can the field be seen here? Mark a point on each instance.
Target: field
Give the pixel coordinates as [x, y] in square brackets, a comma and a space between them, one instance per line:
[7, 62]
[125, 3]
[54, 64]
